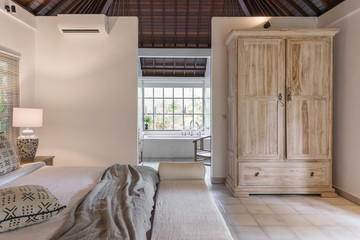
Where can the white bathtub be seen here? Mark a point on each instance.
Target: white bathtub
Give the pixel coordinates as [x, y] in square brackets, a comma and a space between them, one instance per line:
[157, 147]
[168, 137]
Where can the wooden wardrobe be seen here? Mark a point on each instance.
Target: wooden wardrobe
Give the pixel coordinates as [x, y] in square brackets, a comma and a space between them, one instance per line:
[280, 112]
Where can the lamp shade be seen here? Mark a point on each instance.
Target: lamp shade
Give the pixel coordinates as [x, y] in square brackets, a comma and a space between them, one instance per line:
[27, 117]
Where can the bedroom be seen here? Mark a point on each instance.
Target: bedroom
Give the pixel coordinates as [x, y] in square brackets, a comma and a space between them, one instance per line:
[78, 135]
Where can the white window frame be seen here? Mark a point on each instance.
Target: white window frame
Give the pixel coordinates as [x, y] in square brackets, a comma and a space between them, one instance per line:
[175, 83]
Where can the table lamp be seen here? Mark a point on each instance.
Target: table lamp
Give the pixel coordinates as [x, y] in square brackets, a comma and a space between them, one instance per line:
[27, 142]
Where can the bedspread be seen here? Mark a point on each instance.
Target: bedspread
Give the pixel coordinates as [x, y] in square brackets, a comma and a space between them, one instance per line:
[119, 207]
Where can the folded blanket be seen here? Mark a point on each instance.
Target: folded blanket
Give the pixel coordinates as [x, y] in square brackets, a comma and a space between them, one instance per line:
[119, 207]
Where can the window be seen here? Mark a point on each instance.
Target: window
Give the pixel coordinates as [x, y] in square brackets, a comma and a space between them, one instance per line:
[174, 108]
[9, 92]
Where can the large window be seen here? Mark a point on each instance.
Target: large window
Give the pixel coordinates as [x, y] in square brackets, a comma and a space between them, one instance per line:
[174, 108]
[9, 92]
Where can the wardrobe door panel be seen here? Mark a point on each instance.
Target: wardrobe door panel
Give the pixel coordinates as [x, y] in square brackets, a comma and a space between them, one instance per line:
[308, 99]
[261, 98]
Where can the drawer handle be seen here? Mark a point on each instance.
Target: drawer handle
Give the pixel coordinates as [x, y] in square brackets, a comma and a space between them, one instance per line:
[257, 174]
[311, 174]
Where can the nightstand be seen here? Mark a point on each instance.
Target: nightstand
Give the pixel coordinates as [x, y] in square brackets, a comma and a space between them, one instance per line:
[48, 160]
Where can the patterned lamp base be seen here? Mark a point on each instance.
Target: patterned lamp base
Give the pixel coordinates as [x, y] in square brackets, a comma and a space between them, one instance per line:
[27, 147]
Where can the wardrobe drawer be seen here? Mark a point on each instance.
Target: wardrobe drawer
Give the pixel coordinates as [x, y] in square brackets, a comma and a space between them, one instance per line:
[284, 174]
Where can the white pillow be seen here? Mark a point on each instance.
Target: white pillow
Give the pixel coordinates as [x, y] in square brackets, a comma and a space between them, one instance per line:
[182, 171]
[26, 205]
[9, 161]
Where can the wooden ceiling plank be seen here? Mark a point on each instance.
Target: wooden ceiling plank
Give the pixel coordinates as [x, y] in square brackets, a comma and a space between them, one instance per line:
[280, 6]
[140, 24]
[187, 23]
[70, 7]
[325, 3]
[41, 7]
[262, 10]
[152, 22]
[297, 8]
[209, 29]
[57, 6]
[244, 8]
[313, 7]
[175, 22]
[106, 6]
[269, 9]
[276, 9]
[198, 24]
[163, 23]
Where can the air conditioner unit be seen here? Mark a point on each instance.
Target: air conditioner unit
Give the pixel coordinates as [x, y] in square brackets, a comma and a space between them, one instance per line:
[83, 24]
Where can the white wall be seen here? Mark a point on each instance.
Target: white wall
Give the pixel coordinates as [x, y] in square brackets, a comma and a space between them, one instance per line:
[18, 38]
[221, 27]
[88, 89]
[346, 16]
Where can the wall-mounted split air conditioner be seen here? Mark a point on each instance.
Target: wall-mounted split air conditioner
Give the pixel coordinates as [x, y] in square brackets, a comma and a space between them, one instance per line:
[83, 25]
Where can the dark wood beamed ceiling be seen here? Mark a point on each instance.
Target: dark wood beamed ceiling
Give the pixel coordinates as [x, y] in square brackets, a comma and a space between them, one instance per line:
[173, 67]
[178, 23]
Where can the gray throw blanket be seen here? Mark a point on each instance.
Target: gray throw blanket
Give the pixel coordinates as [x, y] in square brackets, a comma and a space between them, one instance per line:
[119, 207]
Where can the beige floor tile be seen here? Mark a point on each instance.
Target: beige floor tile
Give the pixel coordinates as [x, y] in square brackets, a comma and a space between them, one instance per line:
[355, 231]
[307, 209]
[269, 220]
[251, 200]
[330, 209]
[339, 233]
[295, 200]
[242, 219]
[229, 200]
[250, 232]
[354, 209]
[235, 208]
[296, 220]
[273, 200]
[346, 220]
[320, 220]
[315, 199]
[258, 209]
[283, 209]
[309, 233]
[279, 232]
[339, 201]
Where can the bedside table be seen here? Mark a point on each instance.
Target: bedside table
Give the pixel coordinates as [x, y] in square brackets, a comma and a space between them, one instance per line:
[48, 160]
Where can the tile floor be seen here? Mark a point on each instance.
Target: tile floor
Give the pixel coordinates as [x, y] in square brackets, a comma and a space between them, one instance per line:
[286, 217]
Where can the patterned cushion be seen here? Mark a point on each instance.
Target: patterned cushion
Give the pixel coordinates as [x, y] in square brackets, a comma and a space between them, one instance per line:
[26, 205]
[8, 158]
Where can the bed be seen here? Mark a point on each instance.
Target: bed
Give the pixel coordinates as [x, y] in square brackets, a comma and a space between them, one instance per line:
[87, 215]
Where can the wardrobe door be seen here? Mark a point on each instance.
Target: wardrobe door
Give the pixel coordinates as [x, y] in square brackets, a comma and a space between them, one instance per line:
[308, 86]
[261, 81]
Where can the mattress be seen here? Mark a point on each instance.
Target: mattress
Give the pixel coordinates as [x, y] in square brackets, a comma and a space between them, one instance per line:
[68, 184]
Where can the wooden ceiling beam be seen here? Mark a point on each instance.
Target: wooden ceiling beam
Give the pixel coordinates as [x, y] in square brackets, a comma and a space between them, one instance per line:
[175, 22]
[325, 3]
[163, 23]
[313, 7]
[41, 7]
[106, 6]
[280, 6]
[297, 8]
[244, 8]
[141, 42]
[152, 22]
[277, 10]
[187, 23]
[198, 24]
[57, 7]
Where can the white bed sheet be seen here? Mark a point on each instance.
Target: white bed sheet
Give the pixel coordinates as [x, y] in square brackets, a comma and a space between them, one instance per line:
[68, 184]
